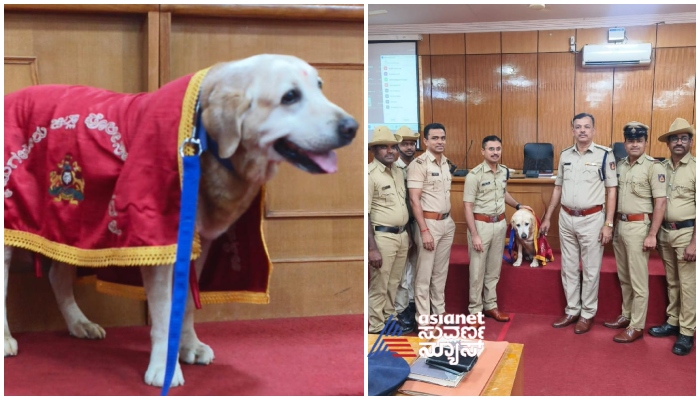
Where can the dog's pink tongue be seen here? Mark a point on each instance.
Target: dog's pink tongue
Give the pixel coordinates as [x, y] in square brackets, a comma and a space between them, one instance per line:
[327, 161]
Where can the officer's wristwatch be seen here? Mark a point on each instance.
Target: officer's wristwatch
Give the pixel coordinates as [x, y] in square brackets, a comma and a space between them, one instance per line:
[609, 224]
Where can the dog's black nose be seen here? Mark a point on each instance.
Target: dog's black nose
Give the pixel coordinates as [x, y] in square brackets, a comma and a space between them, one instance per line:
[524, 236]
[347, 128]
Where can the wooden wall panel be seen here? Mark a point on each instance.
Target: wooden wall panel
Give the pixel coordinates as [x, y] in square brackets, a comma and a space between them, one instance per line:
[198, 43]
[555, 41]
[676, 35]
[426, 91]
[593, 95]
[591, 36]
[483, 43]
[314, 239]
[449, 102]
[674, 93]
[452, 43]
[519, 88]
[423, 48]
[555, 99]
[336, 288]
[641, 34]
[344, 189]
[20, 72]
[519, 42]
[73, 48]
[632, 97]
[483, 104]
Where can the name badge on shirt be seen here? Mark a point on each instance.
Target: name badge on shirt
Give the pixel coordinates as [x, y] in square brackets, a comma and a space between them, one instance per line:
[386, 187]
[436, 174]
[567, 163]
[485, 183]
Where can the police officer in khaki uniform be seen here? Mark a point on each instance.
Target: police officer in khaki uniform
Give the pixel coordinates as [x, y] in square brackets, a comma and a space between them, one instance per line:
[641, 202]
[677, 238]
[485, 199]
[586, 186]
[429, 184]
[405, 305]
[388, 216]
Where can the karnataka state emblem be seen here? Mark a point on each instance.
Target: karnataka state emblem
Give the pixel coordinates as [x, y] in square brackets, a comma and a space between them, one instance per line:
[67, 181]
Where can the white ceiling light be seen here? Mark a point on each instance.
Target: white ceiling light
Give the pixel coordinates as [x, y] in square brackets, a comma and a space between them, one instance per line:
[377, 12]
[537, 6]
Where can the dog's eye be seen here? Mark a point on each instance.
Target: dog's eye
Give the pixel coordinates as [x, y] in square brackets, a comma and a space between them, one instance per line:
[320, 84]
[291, 97]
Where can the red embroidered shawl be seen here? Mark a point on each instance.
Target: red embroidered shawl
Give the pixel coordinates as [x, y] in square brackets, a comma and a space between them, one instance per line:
[92, 178]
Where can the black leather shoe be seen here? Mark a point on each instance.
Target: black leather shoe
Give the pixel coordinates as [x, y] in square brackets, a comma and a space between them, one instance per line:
[683, 345]
[406, 317]
[407, 327]
[412, 307]
[664, 330]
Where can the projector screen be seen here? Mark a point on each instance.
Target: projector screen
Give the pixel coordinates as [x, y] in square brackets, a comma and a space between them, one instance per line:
[392, 85]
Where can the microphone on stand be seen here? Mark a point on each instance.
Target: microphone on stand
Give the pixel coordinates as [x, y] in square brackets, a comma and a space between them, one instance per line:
[464, 171]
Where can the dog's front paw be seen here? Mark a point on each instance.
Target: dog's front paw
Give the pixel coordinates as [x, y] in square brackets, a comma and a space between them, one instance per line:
[196, 353]
[517, 263]
[534, 264]
[10, 346]
[87, 330]
[155, 375]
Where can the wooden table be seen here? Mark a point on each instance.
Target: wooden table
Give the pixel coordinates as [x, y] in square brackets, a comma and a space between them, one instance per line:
[507, 379]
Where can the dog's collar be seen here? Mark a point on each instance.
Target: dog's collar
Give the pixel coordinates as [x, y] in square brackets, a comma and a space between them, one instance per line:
[206, 142]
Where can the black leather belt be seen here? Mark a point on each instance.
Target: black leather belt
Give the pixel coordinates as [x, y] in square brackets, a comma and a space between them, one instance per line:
[390, 229]
[679, 225]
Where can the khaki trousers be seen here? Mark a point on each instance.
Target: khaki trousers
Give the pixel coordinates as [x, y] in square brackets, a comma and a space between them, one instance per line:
[578, 238]
[405, 293]
[485, 266]
[633, 269]
[384, 281]
[680, 278]
[431, 269]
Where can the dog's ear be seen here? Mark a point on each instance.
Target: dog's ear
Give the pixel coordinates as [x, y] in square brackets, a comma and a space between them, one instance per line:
[222, 115]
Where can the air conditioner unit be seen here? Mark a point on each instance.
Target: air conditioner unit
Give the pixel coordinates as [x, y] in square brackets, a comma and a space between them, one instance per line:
[616, 55]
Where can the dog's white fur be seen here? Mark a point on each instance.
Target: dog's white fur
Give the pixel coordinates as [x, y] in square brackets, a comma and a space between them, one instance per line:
[523, 222]
[244, 112]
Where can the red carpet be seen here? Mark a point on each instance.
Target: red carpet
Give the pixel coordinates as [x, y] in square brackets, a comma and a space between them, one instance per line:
[539, 291]
[295, 356]
[559, 362]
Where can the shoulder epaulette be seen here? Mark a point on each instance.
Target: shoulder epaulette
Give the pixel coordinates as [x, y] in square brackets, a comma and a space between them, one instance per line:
[652, 159]
[372, 167]
[568, 148]
[608, 149]
[418, 160]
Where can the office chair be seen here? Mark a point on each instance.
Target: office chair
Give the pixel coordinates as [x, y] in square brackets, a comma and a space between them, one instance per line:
[539, 158]
[619, 151]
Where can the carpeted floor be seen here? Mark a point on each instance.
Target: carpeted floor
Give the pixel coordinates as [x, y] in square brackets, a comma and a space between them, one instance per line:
[295, 356]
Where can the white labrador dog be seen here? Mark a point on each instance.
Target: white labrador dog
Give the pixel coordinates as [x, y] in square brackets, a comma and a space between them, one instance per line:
[523, 222]
[260, 111]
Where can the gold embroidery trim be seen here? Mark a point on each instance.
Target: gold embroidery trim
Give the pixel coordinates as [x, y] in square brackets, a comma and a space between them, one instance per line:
[118, 257]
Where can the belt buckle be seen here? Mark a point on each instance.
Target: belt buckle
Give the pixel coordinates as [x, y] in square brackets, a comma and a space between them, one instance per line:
[577, 213]
[493, 218]
[672, 225]
[402, 229]
[623, 217]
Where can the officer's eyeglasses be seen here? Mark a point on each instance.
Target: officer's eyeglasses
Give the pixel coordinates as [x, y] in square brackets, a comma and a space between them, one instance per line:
[682, 139]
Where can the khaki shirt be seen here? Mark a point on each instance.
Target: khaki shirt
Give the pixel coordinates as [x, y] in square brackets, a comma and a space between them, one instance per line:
[435, 180]
[386, 195]
[486, 189]
[680, 192]
[404, 168]
[579, 176]
[640, 183]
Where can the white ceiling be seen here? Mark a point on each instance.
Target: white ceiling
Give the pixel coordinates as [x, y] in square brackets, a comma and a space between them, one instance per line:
[484, 15]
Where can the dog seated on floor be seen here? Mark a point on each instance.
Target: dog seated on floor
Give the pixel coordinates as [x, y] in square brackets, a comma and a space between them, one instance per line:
[258, 112]
[523, 223]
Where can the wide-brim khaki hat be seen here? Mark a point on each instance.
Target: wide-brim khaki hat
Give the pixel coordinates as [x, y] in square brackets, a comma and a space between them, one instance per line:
[677, 127]
[382, 135]
[407, 133]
